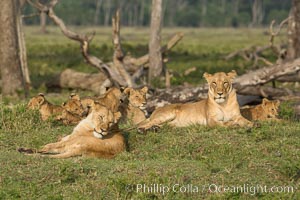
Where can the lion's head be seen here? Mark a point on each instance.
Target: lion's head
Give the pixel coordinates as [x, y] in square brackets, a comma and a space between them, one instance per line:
[270, 107]
[103, 119]
[73, 105]
[220, 85]
[137, 97]
[36, 102]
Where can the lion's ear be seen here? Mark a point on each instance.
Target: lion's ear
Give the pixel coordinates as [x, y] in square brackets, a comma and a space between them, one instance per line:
[63, 104]
[122, 89]
[93, 104]
[144, 89]
[117, 116]
[265, 101]
[127, 91]
[74, 96]
[41, 99]
[277, 103]
[207, 76]
[232, 74]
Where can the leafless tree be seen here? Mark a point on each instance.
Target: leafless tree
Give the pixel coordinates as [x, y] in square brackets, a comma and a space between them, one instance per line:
[124, 70]
[294, 31]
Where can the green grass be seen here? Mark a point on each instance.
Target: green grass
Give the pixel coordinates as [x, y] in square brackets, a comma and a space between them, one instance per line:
[203, 48]
[196, 157]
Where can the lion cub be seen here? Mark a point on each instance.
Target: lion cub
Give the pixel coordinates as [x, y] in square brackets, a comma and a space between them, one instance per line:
[73, 111]
[45, 108]
[220, 108]
[111, 99]
[267, 110]
[134, 106]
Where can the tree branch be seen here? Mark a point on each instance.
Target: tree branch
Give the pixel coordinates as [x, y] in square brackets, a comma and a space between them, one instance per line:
[84, 41]
[118, 52]
[145, 59]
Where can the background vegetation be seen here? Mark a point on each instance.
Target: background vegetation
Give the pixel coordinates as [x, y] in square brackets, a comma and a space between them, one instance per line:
[204, 49]
[267, 155]
[204, 13]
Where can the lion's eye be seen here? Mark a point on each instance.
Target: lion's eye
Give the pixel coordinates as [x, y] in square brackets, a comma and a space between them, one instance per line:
[225, 83]
[214, 83]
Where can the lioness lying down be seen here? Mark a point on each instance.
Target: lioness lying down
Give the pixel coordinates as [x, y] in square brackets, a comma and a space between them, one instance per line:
[267, 110]
[220, 108]
[97, 135]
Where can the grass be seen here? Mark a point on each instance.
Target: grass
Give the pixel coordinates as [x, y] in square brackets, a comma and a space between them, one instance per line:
[203, 48]
[194, 159]
[195, 156]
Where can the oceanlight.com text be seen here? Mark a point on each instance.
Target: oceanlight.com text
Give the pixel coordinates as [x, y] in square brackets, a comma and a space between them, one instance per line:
[158, 188]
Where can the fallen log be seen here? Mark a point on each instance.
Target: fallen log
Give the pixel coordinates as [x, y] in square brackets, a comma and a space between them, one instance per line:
[266, 74]
[69, 78]
[290, 78]
[264, 91]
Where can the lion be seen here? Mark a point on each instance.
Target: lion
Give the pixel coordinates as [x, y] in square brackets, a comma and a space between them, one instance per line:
[68, 118]
[97, 135]
[112, 99]
[267, 110]
[74, 105]
[220, 108]
[134, 106]
[45, 108]
[73, 111]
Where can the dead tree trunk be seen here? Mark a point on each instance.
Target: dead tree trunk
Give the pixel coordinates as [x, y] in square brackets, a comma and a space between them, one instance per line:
[124, 70]
[10, 60]
[78, 80]
[251, 82]
[23, 51]
[43, 21]
[118, 52]
[294, 31]
[155, 57]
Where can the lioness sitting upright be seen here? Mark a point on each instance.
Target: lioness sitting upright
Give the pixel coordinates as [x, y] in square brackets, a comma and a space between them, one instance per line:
[267, 110]
[97, 135]
[220, 108]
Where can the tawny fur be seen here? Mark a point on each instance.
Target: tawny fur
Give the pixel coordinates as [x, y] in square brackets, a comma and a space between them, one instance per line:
[111, 99]
[267, 110]
[82, 141]
[133, 109]
[45, 108]
[220, 108]
[73, 111]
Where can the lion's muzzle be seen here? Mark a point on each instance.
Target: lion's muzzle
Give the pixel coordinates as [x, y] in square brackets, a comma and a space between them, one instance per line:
[98, 134]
